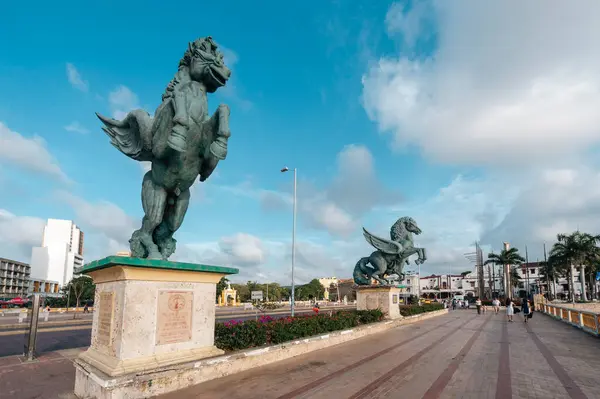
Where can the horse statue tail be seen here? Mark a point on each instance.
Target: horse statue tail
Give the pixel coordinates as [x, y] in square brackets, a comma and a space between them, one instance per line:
[360, 270]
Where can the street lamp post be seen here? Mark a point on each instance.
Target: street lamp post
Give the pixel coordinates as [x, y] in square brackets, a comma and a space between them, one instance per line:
[292, 305]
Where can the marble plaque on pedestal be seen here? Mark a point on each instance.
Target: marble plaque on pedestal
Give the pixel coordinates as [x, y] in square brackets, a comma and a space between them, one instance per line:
[174, 317]
[106, 310]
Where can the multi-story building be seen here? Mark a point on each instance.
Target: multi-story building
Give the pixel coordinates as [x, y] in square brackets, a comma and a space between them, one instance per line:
[441, 286]
[43, 287]
[61, 252]
[14, 278]
[533, 281]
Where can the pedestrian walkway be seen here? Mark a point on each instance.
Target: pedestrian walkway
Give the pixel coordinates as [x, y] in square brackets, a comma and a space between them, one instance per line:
[458, 355]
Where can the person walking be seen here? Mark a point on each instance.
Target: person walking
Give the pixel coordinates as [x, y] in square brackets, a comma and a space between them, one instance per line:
[526, 310]
[454, 304]
[478, 305]
[496, 305]
[510, 310]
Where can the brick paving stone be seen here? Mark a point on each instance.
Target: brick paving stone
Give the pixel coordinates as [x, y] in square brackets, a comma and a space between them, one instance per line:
[531, 375]
[42, 379]
[576, 352]
[476, 375]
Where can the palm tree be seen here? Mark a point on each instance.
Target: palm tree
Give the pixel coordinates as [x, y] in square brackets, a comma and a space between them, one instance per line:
[576, 249]
[505, 258]
[551, 271]
[592, 261]
[515, 279]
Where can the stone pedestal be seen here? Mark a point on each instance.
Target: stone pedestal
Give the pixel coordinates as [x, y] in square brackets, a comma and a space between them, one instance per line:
[149, 314]
[386, 298]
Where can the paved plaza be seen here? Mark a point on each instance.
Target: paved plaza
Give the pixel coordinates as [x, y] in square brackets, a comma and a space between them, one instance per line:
[458, 355]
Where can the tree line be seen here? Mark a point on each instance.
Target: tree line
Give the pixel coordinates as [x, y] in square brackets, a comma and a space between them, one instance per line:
[274, 291]
[577, 250]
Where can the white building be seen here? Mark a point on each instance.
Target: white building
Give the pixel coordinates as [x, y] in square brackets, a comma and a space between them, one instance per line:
[327, 282]
[60, 253]
[532, 279]
[410, 285]
[441, 286]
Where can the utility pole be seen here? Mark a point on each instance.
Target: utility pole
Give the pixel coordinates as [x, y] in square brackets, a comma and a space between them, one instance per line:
[547, 273]
[527, 271]
[480, 271]
[494, 280]
[489, 270]
[506, 274]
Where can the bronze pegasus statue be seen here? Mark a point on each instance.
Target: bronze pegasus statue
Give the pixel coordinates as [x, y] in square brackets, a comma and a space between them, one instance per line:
[390, 255]
[181, 141]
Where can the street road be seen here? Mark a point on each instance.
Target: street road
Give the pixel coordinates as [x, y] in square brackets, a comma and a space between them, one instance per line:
[73, 336]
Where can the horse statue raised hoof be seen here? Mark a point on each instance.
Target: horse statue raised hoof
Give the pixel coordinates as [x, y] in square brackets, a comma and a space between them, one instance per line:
[181, 142]
[390, 255]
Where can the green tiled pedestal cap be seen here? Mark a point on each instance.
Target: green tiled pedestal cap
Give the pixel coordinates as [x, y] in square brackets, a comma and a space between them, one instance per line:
[110, 261]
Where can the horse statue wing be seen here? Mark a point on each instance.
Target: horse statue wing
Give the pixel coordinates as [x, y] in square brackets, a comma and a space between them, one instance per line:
[132, 136]
[385, 246]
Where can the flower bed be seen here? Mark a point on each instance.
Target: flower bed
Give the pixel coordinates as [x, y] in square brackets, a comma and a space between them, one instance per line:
[234, 335]
[410, 310]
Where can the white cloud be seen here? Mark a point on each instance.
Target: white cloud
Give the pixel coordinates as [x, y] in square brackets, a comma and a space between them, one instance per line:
[229, 56]
[554, 200]
[122, 100]
[246, 249]
[110, 225]
[509, 82]
[354, 190]
[231, 91]
[409, 23]
[270, 260]
[28, 153]
[145, 167]
[238, 250]
[76, 127]
[75, 78]
[18, 234]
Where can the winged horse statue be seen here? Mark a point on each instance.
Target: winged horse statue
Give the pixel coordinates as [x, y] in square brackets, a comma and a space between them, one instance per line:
[390, 255]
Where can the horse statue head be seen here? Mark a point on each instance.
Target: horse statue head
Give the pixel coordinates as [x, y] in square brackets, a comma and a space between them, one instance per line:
[202, 62]
[403, 227]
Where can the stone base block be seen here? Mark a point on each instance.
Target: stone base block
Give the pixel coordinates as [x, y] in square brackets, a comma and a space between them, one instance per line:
[386, 298]
[117, 367]
[151, 316]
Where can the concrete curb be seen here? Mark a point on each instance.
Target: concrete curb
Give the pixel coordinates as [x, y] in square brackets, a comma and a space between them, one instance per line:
[172, 378]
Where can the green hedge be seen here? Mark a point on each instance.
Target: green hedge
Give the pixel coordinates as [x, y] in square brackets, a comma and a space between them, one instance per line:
[410, 310]
[234, 335]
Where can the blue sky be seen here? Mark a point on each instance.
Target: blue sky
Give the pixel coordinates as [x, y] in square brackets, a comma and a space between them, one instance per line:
[387, 110]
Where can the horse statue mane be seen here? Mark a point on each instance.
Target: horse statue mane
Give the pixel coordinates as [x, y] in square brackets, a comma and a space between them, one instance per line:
[398, 229]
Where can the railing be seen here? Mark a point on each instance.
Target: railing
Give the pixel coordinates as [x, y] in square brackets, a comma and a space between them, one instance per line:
[586, 320]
